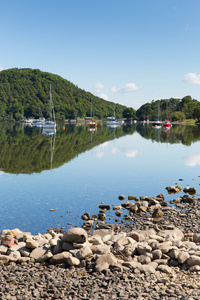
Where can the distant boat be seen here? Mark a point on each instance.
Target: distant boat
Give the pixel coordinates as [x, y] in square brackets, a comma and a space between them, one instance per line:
[51, 123]
[167, 124]
[111, 122]
[38, 122]
[92, 125]
[157, 124]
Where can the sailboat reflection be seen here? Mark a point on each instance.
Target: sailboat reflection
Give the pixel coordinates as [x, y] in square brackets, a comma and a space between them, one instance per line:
[51, 132]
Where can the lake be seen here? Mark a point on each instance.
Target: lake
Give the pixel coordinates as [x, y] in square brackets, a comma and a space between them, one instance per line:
[74, 171]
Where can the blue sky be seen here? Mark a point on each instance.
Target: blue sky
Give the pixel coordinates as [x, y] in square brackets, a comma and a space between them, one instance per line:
[126, 51]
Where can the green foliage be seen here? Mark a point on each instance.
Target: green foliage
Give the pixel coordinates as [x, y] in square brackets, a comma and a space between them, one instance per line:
[24, 149]
[184, 134]
[24, 91]
[172, 109]
[129, 113]
[196, 113]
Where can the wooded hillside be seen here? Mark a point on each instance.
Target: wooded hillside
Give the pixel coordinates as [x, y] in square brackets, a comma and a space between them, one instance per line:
[25, 92]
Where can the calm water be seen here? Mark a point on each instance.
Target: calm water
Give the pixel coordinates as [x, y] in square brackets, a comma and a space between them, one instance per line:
[75, 170]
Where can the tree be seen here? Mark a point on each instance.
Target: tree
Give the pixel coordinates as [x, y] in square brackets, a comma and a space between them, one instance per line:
[196, 113]
[129, 113]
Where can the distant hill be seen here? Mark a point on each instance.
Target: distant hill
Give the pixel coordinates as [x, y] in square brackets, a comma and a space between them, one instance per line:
[174, 109]
[25, 92]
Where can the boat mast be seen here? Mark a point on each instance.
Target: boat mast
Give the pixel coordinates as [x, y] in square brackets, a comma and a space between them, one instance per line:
[91, 107]
[50, 109]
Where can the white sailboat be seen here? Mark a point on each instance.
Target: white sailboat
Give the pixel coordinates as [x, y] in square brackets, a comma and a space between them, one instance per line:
[51, 123]
[111, 121]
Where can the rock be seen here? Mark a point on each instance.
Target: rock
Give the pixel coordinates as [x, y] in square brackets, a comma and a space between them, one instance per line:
[75, 235]
[24, 251]
[60, 258]
[143, 259]
[182, 257]
[88, 224]
[103, 232]
[157, 213]
[193, 260]
[188, 199]
[15, 231]
[153, 244]
[4, 259]
[143, 248]
[106, 258]
[135, 236]
[45, 257]
[133, 198]
[102, 267]
[189, 190]
[176, 234]
[104, 206]
[101, 216]
[121, 197]
[83, 253]
[117, 207]
[123, 241]
[31, 244]
[165, 269]
[38, 252]
[132, 264]
[73, 261]
[102, 249]
[172, 189]
[196, 237]
[149, 268]
[195, 268]
[85, 217]
[95, 240]
[8, 240]
[173, 254]
[14, 255]
[157, 254]
[3, 249]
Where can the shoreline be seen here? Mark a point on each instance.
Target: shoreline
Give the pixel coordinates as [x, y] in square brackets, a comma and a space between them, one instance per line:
[154, 253]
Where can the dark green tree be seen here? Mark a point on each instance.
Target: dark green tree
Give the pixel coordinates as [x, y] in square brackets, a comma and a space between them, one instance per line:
[129, 113]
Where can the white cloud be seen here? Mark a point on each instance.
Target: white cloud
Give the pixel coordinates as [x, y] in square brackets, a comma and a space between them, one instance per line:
[98, 87]
[1, 173]
[127, 88]
[1, 68]
[99, 153]
[192, 161]
[104, 96]
[130, 153]
[104, 145]
[114, 89]
[115, 150]
[192, 78]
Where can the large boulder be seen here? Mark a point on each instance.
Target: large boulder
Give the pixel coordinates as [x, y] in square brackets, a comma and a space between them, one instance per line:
[75, 235]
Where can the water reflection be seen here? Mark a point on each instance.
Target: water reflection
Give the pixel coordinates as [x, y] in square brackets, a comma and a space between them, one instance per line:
[26, 150]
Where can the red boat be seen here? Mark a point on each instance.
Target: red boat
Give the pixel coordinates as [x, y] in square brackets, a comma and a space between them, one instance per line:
[167, 124]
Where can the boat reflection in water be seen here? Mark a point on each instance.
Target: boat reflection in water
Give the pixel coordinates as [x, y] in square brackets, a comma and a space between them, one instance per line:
[51, 133]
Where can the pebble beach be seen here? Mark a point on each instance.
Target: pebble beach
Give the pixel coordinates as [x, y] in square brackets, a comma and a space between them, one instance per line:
[152, 251]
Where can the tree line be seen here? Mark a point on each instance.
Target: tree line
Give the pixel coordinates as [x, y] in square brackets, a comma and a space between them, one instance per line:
[24, 93]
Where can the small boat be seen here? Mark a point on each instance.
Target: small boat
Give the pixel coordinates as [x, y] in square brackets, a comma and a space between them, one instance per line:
[51, 123]
[167, 124]
[38, 122]
[157, 124]
[111, 122]
[92, 123]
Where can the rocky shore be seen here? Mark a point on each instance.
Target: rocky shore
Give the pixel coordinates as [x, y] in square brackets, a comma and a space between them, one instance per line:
[152, 252]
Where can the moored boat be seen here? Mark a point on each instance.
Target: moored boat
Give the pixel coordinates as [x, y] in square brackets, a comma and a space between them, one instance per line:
[51, 123]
